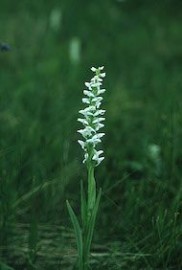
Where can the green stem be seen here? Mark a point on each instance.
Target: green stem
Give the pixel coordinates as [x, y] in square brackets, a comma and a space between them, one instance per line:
[91, 190]
[91, 200]
[89, 207]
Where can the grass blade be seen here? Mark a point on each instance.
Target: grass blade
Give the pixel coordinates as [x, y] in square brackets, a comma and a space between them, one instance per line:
[91, 223]
[78, 232]
[83, 205]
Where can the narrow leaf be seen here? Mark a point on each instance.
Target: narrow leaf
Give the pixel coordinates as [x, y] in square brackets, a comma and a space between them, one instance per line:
[77, 229]
[91, 223]
[83, 205]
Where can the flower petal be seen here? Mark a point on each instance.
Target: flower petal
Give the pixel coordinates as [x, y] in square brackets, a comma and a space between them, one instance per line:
[93, 69]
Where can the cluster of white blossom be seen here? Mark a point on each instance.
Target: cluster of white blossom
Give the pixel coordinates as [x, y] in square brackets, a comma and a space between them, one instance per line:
[92, 118]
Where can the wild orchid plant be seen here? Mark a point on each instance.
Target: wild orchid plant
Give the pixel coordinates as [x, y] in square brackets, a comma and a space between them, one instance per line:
[92, 120]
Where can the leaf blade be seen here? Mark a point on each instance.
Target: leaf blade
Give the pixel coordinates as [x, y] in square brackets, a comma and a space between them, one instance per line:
[77, 229]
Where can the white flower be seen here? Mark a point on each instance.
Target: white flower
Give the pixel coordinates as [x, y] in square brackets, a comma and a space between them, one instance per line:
[86, 113]
[86, 156]
[87, 110]
[82, 144]
[86, 131]
[97, 153]
[87, 84]
[83, 121]
[88, 93]
[96, 84]
[99, 79]
[103, 74]
[93, 141]
[97, 99]
[98, 136]
[86, 100]
[97, 158]
[99, 112]
[98, 126]
[92, 118]
[93, 69]
[101, 91]
[98, 120]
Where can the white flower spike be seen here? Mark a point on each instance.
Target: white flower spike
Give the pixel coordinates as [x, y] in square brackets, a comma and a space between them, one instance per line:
[92, 118]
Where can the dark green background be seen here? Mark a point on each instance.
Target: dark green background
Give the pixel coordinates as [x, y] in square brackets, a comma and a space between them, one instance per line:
[139, 43]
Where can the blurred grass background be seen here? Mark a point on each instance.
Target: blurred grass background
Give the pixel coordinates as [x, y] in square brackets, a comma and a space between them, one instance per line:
[53, 45]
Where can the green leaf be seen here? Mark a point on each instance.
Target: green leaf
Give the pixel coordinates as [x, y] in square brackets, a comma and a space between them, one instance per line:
[91, 223]
[83, 206]
[77, 229]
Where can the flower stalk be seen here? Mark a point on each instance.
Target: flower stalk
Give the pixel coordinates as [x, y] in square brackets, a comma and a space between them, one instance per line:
[92, 121]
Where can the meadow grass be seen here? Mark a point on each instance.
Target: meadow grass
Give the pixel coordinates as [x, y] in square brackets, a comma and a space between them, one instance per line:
[139, 225]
